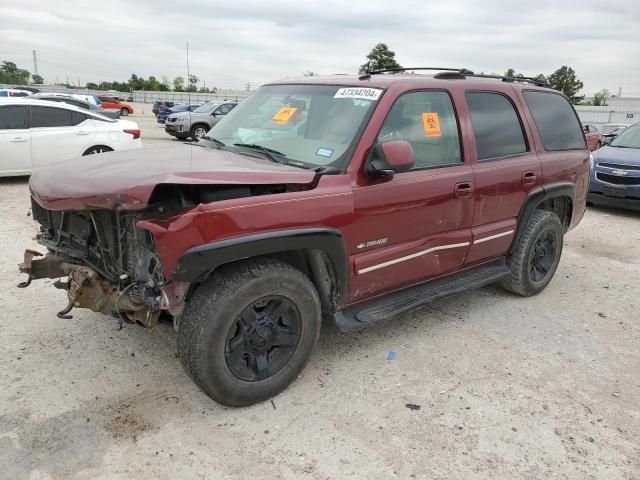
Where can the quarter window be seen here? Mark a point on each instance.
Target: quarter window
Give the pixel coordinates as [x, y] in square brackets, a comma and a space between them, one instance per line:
[496, 126]
[555, 120]
[12, 117]
[428, 122]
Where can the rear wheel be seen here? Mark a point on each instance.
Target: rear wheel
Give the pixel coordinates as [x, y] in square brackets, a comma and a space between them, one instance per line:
[248, 331]
[198, 131]
[124, 112]
[97, 149]
[537, 255]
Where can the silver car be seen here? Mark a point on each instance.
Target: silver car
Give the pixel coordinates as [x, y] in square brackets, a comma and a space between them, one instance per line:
[197, 123]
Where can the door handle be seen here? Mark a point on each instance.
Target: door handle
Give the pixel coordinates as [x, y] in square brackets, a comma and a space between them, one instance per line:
[18, 139]
[82, 132]
[529, 178]
[463, 190]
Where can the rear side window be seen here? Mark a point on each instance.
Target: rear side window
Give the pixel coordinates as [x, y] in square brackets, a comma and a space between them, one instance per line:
[77, 118]
[428, 122]
[555, 120]
[52, 117]
[496, 125]
[13, 117]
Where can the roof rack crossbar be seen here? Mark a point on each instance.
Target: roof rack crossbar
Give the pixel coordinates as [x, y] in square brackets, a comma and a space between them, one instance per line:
[459, 73]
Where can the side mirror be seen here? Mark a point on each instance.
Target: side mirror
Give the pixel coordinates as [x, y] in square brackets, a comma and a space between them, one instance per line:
[388, 158]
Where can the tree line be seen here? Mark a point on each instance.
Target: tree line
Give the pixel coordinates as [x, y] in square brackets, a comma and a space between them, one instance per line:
[380, 57]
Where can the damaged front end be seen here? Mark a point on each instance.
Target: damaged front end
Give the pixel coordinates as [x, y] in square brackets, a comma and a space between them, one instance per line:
[111, 265]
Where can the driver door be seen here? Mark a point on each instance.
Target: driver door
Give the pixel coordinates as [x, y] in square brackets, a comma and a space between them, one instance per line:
[417, 225]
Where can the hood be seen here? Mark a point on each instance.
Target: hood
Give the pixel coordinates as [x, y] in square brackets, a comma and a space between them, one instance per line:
[622, 156]
[180, 114]
[126, 179]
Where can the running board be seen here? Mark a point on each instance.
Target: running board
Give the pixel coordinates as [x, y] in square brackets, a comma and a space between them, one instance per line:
[392, 304]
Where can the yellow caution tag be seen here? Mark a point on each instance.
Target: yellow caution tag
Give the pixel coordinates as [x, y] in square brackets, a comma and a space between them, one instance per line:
[283, 115]
[431, 124]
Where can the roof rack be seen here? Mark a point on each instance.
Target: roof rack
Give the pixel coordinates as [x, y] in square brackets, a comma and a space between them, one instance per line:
[457, 73]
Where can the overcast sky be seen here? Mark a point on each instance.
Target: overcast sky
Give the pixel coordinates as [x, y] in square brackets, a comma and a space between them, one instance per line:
[235, 42]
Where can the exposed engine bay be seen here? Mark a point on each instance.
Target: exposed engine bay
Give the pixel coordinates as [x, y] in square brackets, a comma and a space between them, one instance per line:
[112, 265]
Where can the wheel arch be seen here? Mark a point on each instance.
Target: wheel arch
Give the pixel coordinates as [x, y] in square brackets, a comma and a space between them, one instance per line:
[200, 123]
[320, 253]
[98, 145]
[558, 198]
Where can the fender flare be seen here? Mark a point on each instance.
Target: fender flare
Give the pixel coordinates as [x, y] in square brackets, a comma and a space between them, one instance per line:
[197, 262]
[534, 199]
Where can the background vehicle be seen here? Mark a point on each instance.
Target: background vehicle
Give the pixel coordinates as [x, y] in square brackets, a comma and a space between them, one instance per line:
[593, 137]
[115, 114]
[159, 105]
[611, 130]
[197, 123]
[182, 107]
[35, 133]
[110, 102]
[14, 92]
[615, 174]
[353, 198]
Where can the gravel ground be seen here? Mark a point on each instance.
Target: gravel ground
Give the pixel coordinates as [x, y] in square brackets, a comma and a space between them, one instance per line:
[499, 386]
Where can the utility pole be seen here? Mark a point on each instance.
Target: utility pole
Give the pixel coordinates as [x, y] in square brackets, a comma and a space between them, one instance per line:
[35, 63]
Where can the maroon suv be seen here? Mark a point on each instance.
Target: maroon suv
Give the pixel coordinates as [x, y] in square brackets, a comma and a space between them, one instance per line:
[347, 198]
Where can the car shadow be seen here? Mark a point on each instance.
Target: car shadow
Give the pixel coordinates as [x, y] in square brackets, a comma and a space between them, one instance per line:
[14, 180]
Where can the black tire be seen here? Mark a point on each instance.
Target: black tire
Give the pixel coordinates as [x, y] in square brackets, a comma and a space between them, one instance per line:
[97, 149]
[222, 356]
[124, 112]
[198, 131]
[537, 255]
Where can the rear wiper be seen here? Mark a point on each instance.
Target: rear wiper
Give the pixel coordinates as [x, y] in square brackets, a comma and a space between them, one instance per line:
[269, 152]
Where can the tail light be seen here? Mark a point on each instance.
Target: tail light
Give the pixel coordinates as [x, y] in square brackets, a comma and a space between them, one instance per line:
[135, 133]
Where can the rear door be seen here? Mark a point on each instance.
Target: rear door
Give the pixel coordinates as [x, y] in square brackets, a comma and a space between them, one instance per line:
[108, 102]
[415, 226]
[58, 134]
[506, 169]
[15, 145]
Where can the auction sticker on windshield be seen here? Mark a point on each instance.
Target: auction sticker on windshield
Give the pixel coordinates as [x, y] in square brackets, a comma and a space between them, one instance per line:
[283, 115]
[355, 92]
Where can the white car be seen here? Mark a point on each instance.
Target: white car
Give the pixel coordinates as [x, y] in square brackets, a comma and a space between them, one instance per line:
[34, 133]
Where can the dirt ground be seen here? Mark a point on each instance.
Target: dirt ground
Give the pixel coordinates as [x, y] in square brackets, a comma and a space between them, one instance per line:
[499, 386]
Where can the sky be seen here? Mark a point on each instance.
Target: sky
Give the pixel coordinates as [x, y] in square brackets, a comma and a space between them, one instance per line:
[233, 43]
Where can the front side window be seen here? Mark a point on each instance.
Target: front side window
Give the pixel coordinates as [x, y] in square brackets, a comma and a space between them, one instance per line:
[428, 122]
[107, 99]
[555, 120]
[226, 108]
[496, 126]
[306, 125]
[13, 117]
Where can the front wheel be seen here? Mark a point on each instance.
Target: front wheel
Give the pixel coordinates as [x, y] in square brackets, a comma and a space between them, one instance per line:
[198, 132]
[124, 112]
[248, 331]
[536, 257]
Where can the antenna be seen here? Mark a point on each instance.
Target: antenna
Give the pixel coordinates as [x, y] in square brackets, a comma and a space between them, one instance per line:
[188, 87]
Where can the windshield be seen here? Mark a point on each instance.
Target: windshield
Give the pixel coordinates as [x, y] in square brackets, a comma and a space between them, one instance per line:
[612, 128]
[205, 108]
[629, 138]
[310, 124]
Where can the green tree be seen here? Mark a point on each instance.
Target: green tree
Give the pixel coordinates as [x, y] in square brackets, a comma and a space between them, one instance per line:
[91, 86]
[380, 58]
[37, 79]
[512, 73]
[541, 78]
[193, 81]
[10, 73]
[178, 84]
[600, 98]
[564, 79]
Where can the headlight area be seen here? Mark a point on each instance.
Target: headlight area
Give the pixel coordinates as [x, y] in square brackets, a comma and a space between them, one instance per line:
[111, 266]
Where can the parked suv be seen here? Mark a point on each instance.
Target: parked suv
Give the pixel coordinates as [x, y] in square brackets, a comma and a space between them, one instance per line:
[349, 198]
[197, 123]
[159, 105]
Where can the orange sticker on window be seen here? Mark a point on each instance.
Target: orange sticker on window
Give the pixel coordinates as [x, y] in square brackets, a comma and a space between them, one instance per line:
[431, 124]
[283, 115]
